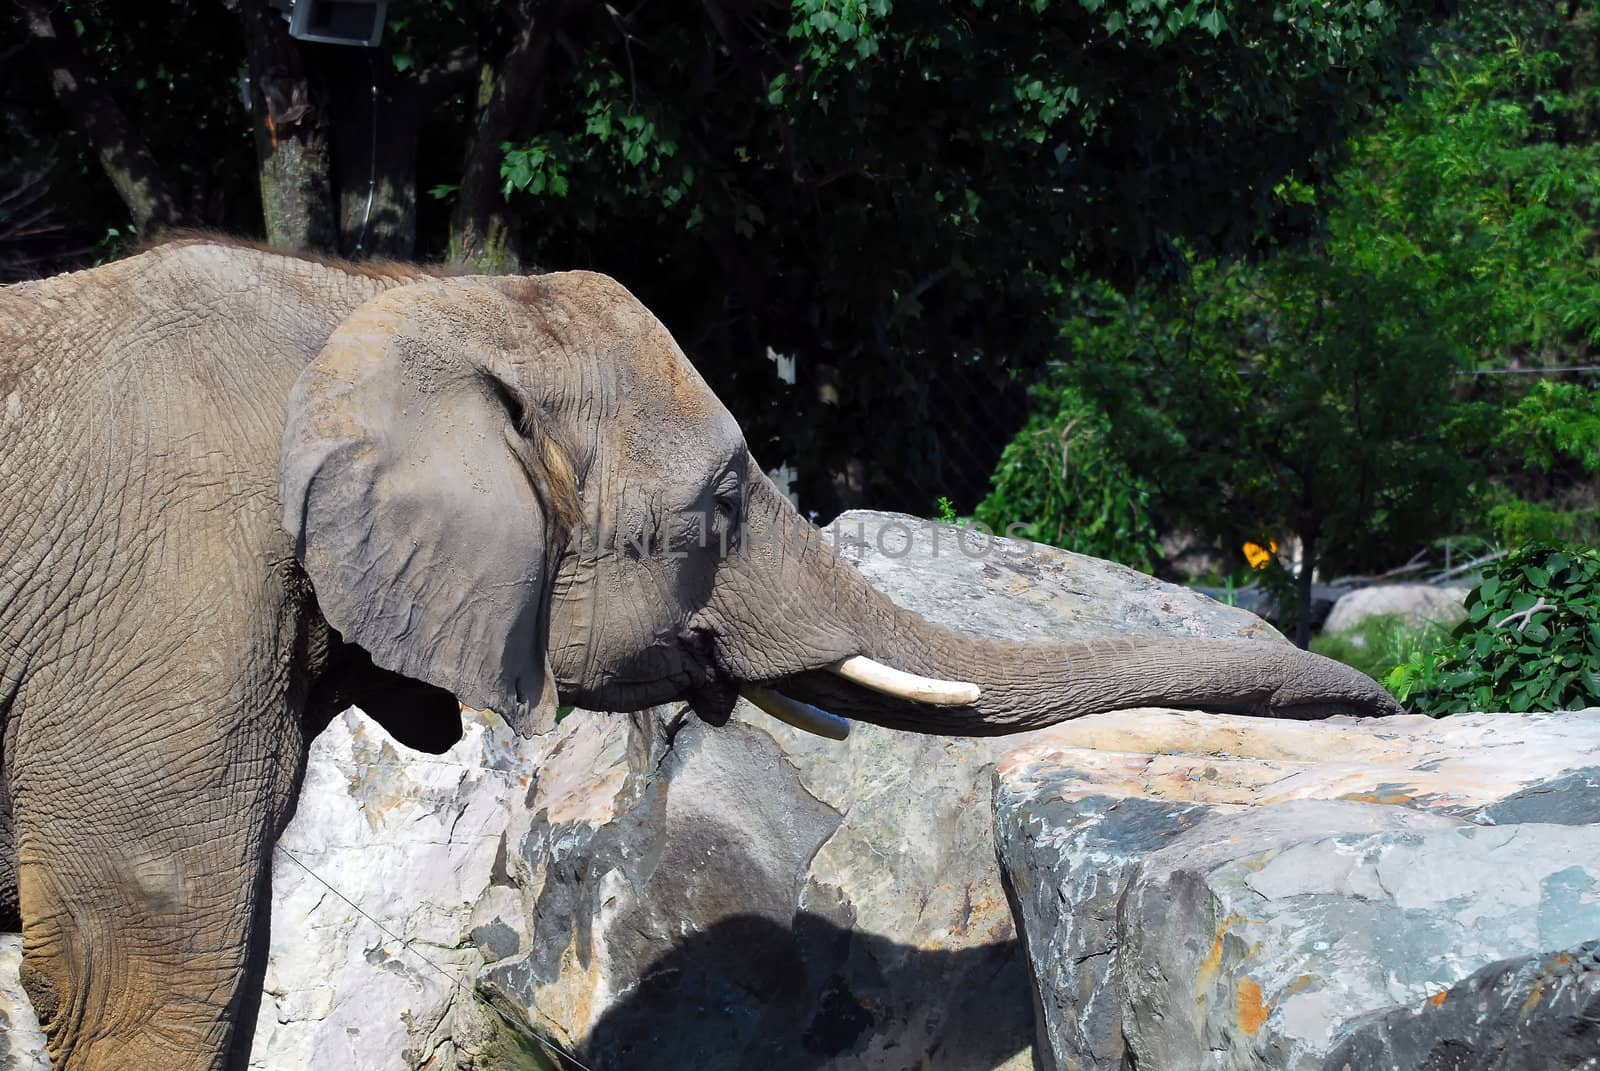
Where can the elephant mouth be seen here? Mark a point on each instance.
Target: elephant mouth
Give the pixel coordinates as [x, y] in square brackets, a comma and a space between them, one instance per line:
[713, 688]
[714, 695]
[716, 690]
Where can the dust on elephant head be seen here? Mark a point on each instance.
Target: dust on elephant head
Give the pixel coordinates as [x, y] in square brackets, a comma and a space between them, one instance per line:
[239, 488]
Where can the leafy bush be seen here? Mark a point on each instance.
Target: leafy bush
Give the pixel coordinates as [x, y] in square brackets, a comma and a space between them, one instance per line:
[1554, 422]
[1062, 480]
[1531, 640]
[1380, 643]
[1516, 521]
[1553, 431]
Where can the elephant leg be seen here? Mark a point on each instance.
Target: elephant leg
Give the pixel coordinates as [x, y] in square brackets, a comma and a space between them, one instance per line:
[142, 855]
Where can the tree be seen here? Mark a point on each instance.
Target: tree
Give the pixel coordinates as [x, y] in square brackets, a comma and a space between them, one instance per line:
[1305, 395]
[1065, 480]
[1326, 391]
[888, 192]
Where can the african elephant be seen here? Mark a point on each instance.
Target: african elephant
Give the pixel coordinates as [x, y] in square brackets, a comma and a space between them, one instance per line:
[240, 488]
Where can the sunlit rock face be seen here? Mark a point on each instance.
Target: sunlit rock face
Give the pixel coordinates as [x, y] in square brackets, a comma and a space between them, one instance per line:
[21, 1040]
[1175, 890]
[753, 896]
[1202, 891]
[374, 885]
[374, 888]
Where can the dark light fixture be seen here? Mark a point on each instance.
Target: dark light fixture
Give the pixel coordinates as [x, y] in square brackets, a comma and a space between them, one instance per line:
[335, 22]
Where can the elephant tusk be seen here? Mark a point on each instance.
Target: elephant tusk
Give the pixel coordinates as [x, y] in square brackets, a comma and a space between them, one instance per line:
[902, 685]
[800, 715]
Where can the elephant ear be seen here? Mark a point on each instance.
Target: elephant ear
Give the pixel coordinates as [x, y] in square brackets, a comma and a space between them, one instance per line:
[427, 502]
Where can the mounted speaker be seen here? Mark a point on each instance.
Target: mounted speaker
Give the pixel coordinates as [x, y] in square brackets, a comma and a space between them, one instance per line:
[338, 22]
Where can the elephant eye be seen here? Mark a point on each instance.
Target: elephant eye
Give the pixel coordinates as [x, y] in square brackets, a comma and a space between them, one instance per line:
[727, 493]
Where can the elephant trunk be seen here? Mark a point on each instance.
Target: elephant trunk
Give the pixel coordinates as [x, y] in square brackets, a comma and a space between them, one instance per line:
[822, 621]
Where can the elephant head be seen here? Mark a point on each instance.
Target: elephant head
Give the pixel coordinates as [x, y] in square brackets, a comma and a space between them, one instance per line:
[520, 490]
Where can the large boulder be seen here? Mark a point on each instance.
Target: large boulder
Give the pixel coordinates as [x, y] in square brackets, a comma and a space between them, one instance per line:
[374, 882]
[753, 896]
[1415, 604]
[1199, 891]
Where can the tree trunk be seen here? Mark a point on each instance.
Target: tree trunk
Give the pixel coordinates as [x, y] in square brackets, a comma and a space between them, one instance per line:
[483, 235]
[292, 128]
[123, 154]
[374, 156]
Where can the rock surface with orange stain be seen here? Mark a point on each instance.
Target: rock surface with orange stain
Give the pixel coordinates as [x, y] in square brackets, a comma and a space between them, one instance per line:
[1522, 1014]
[1201, 891]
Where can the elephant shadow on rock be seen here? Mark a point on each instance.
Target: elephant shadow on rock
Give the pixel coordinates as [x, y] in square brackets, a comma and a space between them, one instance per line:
[752, 994]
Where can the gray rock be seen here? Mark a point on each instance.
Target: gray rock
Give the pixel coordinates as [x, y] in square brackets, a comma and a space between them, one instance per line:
[1305, 933]
[990, 586]
[1524, 1014]
[1568, 800]
[753, 896]
[374, 888]
[1198, 891]
[1416, 604]
[21, 1040]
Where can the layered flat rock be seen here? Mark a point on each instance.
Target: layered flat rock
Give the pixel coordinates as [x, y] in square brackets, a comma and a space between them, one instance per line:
[1204, 891]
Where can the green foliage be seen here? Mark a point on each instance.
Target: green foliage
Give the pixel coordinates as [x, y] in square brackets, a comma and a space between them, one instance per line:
[947, 510]
[1515, 521]
[923, 174]
[1064, 481]
[1321, 392]
[1380, 643]
[1531, 640]
[1485, 182]
[1553, 423]
[1259, 400]
[534, 168]
[887, 191]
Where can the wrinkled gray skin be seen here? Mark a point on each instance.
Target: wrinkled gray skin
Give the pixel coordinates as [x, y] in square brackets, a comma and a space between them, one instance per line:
[227, 476]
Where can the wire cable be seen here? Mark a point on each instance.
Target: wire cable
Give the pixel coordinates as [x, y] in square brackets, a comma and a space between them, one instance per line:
[372, 153]
[520, 1028]
[1552, 371]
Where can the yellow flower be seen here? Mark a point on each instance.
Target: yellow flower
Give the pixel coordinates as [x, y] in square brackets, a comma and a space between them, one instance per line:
[1259, 557]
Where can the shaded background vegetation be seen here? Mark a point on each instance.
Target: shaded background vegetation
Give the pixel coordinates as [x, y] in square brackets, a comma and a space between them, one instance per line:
[1420, 369]
[902, 197]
